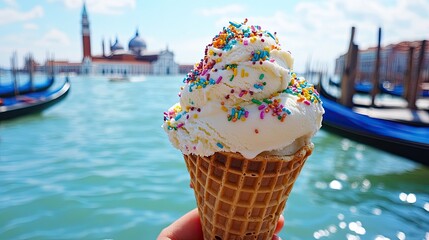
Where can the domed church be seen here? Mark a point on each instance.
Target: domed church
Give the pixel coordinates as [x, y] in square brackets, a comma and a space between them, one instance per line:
[118, 60]
[137, 45]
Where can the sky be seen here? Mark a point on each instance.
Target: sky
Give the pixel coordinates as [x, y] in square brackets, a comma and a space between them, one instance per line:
[315, 31]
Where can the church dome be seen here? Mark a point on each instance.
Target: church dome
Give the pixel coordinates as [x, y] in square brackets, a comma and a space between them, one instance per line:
[137, 44]
[116, 46]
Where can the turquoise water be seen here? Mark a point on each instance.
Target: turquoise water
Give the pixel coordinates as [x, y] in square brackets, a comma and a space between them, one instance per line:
[99, 166]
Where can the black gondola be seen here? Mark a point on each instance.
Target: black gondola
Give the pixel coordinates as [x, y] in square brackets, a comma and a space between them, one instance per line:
[362, 87]
[8, 90]
[405, 140]
[385, 87]
[34, 102]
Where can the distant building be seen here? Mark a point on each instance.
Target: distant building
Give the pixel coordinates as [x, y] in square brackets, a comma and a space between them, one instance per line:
[59, 66]
[117, 60]
[393, 62]
[135, 60]
[185, 68]
[86, 34]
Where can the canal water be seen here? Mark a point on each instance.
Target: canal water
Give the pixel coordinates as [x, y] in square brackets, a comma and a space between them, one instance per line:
[99, 166]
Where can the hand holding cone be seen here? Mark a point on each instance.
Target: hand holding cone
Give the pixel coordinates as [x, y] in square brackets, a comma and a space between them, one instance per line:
[241, 198]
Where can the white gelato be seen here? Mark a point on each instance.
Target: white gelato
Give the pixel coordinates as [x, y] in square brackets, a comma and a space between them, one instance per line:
[243, 97]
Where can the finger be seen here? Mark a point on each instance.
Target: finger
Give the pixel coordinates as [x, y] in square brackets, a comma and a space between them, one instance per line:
[275, 237]
[280, 224]
[188, 227]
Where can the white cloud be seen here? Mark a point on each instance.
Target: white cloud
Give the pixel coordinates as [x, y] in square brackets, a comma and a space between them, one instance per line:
[9, 15]
[224, 10]
[31, 26]
[52, 43]
[54, 38]
[111, 6]
[317, 30]
[11, 3]
[191, 52]
[101, 6]
[321, 30]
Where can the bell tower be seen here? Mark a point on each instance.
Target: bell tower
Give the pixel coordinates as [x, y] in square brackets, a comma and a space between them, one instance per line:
[86, 34]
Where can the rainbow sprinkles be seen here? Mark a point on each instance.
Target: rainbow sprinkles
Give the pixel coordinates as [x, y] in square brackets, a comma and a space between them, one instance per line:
[235, 34]
[203, 76]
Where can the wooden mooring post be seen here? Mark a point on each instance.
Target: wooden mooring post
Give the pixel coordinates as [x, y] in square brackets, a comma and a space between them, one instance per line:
[30, 66]
[408, 80]
[14, 73]
[376, 73]
[413, 81]
[349, 73]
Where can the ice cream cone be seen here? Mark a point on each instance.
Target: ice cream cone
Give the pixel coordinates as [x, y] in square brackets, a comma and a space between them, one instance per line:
[241, 198]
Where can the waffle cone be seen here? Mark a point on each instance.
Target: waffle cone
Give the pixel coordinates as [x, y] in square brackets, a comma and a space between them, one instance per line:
[241, 198]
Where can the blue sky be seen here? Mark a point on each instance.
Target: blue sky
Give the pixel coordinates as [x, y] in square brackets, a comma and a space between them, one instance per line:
[310, 29]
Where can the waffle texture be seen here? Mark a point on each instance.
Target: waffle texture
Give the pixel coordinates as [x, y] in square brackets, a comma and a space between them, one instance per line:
[241, 198]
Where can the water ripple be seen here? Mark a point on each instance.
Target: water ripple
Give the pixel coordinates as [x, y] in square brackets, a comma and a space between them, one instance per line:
[99, 166]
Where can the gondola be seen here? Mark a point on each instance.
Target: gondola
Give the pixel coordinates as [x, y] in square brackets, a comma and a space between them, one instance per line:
[8, 90]
[405, 140]
[30, 103]
[386, 88]
[398, 90]
[362, 87]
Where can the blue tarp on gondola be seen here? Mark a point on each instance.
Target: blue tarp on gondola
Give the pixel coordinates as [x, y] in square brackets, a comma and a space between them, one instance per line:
[8, 89]
[346, 118]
